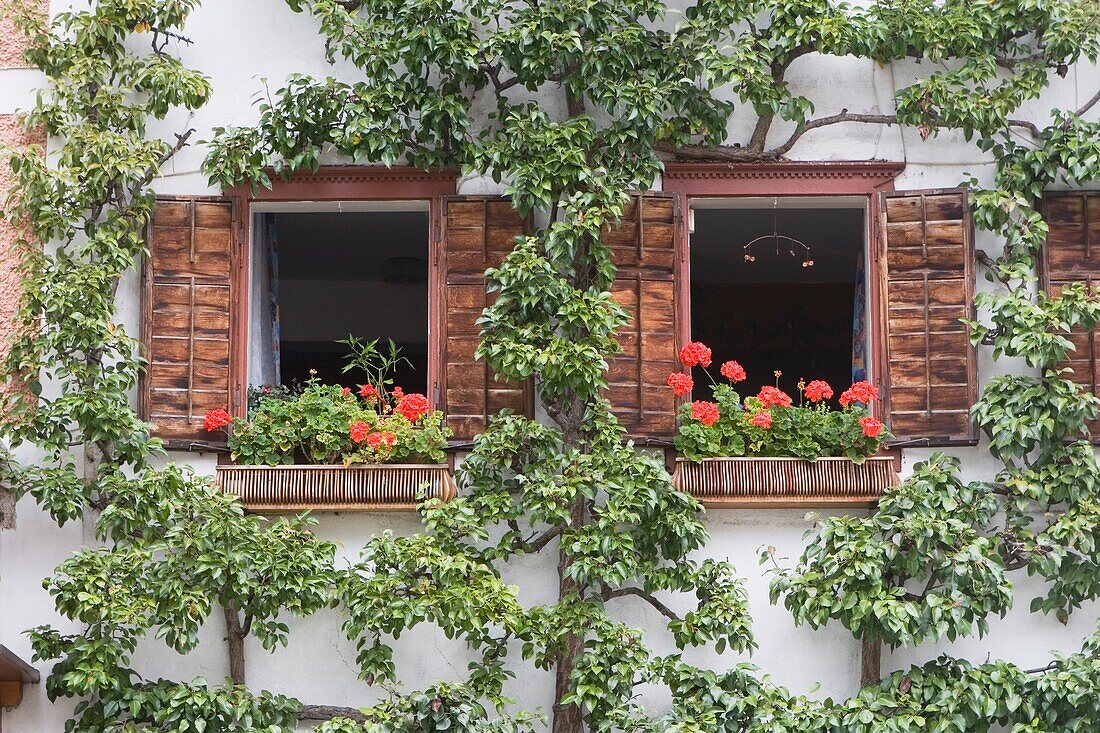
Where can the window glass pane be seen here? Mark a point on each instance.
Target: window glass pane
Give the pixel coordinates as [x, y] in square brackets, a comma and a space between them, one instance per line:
[319, 277]
[795, 303]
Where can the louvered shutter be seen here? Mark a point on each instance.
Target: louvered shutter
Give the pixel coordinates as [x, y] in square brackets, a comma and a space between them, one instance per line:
[644, 251]
[187, 307]
[1072, 255]
[478, 233]
[928, 278]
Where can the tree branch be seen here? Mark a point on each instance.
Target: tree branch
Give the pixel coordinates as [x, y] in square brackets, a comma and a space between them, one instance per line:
[840, 117]
[1029, 126]
[664, 610]
[544, 539]
[328, 712]
[1089, 104]
[719, 154]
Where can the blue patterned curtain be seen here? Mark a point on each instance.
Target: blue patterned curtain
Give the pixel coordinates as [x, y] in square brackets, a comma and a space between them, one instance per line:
[273, 291]
[859, 322]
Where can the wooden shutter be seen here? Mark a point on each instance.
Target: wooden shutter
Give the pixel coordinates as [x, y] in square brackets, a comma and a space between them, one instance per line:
[644, 251]
[928, 281]
[186, 320]
[1072, 255]
[478, 233]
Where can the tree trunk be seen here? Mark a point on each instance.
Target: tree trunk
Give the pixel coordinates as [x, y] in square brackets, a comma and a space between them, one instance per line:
[567, 717]
[870, 653]
[234, 639]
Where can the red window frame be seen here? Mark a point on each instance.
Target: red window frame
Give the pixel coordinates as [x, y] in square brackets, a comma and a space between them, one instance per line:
[340, 183]
[818, 179]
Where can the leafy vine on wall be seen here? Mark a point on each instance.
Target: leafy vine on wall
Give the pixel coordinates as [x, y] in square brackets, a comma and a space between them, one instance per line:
[623, 87]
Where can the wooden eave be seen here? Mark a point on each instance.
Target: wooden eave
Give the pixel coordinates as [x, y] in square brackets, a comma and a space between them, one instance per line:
[14, 673]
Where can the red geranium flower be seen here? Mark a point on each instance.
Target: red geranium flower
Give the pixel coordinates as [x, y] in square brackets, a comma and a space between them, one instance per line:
[374, 440]
[397, 393]
[216, 420]
[681, 383]
[368, 391]
[359, 431]
[772, 396]
[733, 371]
[704, 412]
[346, 390]
[860, 392]
[695, 353]
[818, 390]
[762, 419]
[871, 426]
[412, 406]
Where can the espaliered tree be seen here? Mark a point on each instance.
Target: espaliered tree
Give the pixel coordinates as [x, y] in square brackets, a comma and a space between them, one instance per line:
[573, 104]
[171, 549]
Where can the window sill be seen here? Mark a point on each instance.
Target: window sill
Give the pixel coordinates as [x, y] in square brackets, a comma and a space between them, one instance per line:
[359, 488]
[785, 482]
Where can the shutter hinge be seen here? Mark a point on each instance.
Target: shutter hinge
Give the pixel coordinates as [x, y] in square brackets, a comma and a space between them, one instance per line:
[236, 396]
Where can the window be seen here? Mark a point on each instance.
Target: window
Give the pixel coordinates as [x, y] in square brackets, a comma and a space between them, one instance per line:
[780, 285]
[916, 248]
[256, 287]
[322, 273]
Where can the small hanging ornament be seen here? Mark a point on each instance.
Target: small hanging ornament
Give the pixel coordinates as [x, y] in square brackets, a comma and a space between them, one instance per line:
[791, 242]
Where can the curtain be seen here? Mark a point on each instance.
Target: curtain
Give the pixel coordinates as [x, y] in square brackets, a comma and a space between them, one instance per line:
[273, 294]
[859, 321]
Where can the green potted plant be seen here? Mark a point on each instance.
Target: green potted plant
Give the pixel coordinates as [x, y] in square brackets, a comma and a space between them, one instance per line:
[334, 446]
[770, 449]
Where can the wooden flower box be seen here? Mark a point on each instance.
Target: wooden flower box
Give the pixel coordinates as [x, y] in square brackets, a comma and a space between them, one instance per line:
[389, 487]
[785, 482]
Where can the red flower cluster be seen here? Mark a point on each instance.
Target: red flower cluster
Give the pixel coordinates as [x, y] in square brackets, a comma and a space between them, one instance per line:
[762, 419]
[374, 440]
[860, 392]
[818, 390]
[695, 353]
[397, 393]
[681, 383]
[704, 412]
[368, 391]
[359, 431]
[772, 396]
[346, 391]
[216, 420]
[871, 426]
[733, 371]
[412, 406]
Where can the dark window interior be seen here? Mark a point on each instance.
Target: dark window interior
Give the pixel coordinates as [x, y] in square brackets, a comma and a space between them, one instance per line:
[774, 313]
[358, 273]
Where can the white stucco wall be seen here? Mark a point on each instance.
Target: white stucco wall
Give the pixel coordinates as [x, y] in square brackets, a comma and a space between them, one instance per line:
[238, 43]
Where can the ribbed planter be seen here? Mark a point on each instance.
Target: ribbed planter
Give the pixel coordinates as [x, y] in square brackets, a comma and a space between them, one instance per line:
[785, 482]
[393, 487]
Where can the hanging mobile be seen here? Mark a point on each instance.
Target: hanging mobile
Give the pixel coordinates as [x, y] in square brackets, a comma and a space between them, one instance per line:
[775, 235]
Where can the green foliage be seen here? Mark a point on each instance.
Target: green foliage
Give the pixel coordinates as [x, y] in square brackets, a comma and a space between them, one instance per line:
[316, 426]
[805, 431]
[438, 708]
[174, 549]
[440, 84]
[919, 568]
